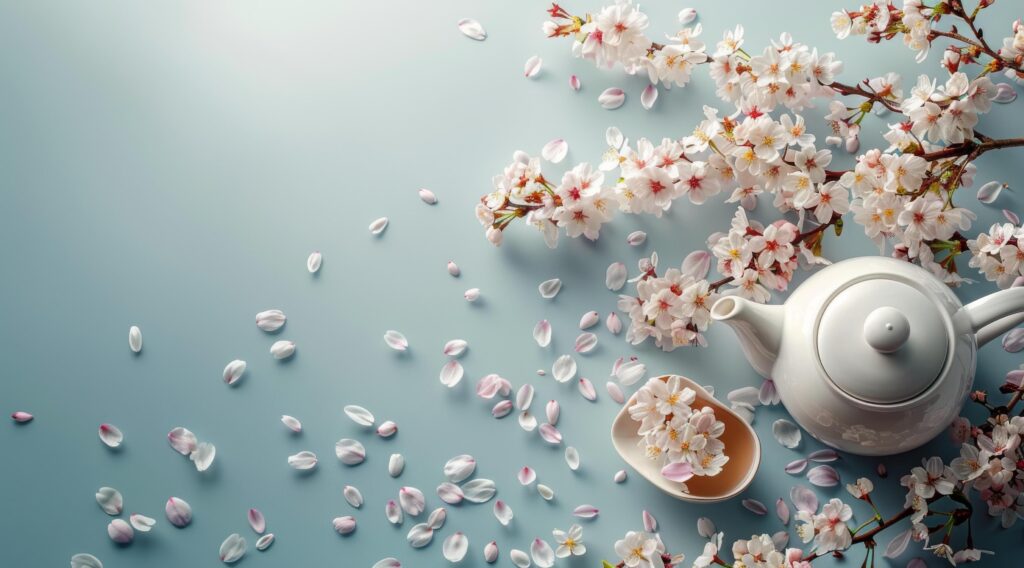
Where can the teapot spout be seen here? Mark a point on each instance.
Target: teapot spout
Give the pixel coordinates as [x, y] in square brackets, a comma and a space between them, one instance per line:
[758, 326]
[995, 314]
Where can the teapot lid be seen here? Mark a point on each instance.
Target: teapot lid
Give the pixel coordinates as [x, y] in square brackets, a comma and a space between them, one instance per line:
[882, 341]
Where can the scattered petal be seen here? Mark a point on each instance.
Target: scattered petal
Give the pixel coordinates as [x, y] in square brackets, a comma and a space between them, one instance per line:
[636, 238]
[615, 392]
[472, 29]
[135, 339]
[420, 535]
[780, 540]
[553, 410]
[120, 531]
[527, 421]
[555, 150]
[586, 512]
[303, 460]
[396, 465]
[455, 547]
[378, 226]
[202, 456]
[1005, 93]
[823, 456]
[450, 493]
[542, 554]
[110, 500]
[620, 476]
[453, 269]
[542, 333]
[233, 371]
[613, 323]
[313, 264]
[615, 276]
[803, 499]
[786, 433]
[290, 422]
[393, 512]
[687, 15]
[519, 558]
[388, 563]
[471, 295]
[524, 397]
[532, 66]
[352, 495]
[455, 347]
[503, 512]
[898, 544]
[650, 523]
[564, 368]
[350, 451]
[436, 518]
[111, 435]
[344, 525]
[649, 96]
[586, 342]
[574, 83]
[572, 458]
[479, 490]
[883, 472]
[755, 506]
[83, 560]
[526, 475]
[1011, 217]
[629, 372]
[451, 373]
[459, 468]
[587, 389]
[1013, 341]
[412, 500]
[491, 552]
[178, 512]
[21, 417]
[988, 192]
[387, 429]
[782, 510]
[823, 476]
[550, 434]
[502, 409]
[396, 340]
[264, 541]
[427, 196]
[282, 349]
[679, 472]
[270, 320]
[549, 288]
[257, 521]
[589, 319]
[796, 466]
[232, 549]
[697, 264]
[706, 527]
[612, 98]
[360, 415]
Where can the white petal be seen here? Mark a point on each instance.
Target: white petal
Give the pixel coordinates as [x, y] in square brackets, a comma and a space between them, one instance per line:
[589, 319]
[990, 191]
[524, 397]
[450, 493]
[706, 527]
[436, 518]
[396, 340]
[387, 429]
[615, 277]
[1013, 341]
[615, 392]
[491, 552]
[803, 499]
[292, 423]
[527, 421]
[755, 506]
[378, 226]
[1005, 93]
[313, 264]
[427, 196]
[451, 373]
[257, 521]
[303, 460]
[412, 500]
[823, 476]
[1011, 217]
[478, 490]
[612, 98]
[898, 544]
[472, 29]
[542, 554]
[471, 295]
[360, 415]
[459, 468]
[393, 512]
[270, 320]
[21, 416]
[264, 541]
[120, 531]
[630, 372]
[420, 535]
[83, 560]
[388, 563]
[453, 268]
[782, 511]
[553, 410]
[687, 15]
[542, 333]
[823, 456]
[526, 475]
[282, 349]
[344, 525]
[572, 458]
[574, 83]
[555, 150]
[203, 456]
[232, 549]
[141, 523]
[353, 496]
[786, 433]
[749, 396]
[503, 512]
[587, 389]
[111, 435]
[648, 96]
[636, 238]
[796, 466]
[502, 409]
[564, 369]
[697, 264]
[546, 492]
[135, 339]
[233, 371]
[396, 465]
[549, 288]
[613, 323]
[350, 451]
[455, 347]
[613, 136]
[586, 342]
[110, 500]
[178, 512]
[586, 512]
[519, 558]
[620, 476]
[455, 547]
[532, 66]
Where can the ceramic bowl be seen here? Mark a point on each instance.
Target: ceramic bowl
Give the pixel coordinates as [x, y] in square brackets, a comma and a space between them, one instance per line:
[741, 445]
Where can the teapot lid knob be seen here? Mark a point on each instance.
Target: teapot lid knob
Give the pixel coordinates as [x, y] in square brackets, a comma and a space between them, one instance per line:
[886, 329]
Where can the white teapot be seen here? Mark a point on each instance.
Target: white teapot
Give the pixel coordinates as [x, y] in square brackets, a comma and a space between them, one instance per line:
[871, 355]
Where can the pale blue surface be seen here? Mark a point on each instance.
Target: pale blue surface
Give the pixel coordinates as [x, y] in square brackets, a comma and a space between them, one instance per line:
[171, 165]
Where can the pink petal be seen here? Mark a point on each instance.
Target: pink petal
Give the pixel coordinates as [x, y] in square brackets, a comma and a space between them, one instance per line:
[754, 506]
[697, 264]
[585, 511]
[550, 434]
[502, 409]
[472, 29]
[111, 435]
[453, 269]
[988, 192]
[455, 347]
[615, 276]
[555, 151]
[687, 15]
[636, 238]
[615, 392]
[396, 340]
[589, 319]
[291, 423]
[648, 96]
[782, 510]
[613, 323]
[344, 525]
[552, 410]
[488, 386]
[650, 523]
[1005, 93]
[823, 476]
[21, 417]
[526, 475]
[450, 493]
[796, 466]
[898, 544]
[532, 66]
[611, 99]
[574, 83]
[411, 500]
[586, 342]
[257, 521]
[427, 196]
[1011, 216]
[587, 389]
[1013, 341]
[524, 397]
[387, 429]
[678, 471]
[502, 512]
[451, 373]
[542, 333]
[823, 456]
[803, 499]
[179, 512]
[706, 527]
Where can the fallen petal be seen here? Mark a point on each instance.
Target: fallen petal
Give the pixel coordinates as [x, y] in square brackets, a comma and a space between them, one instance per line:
[649, 96]
[120, 531]
[202, 457]
[350, 451]
[436, 518]
[553, 410]
[459, 468]
[782, 510]
[344, 525]
[519, 558]
[550, 434]
[450, 493]
[546, 492]
[803, 499]
[455, 347]
[679, 472]
[503, 512]
[755, 506]
[898, 544]
[555, 150]
[620, 476]
[393, 512]
[612, 98]
[455, 547]
[586, 512]
[412, 500]
[572, 458]
[352, 495]
[823, 476]
[586, 342]
[796, 466]
[396, 340]
[564, 368]
[303, 460]
[527, 421]
[21, 417]
[490, 552]
[420, 535]
[1005, 93]
[526, 475]
[233, 371]
[650, 523]
[427, 196]
[472, 29]
[1012, 217]
[524, 397]
[141, 523]
[378, 226]
[687, 15]
[706, 527]
[135, 339]
[396, 465]
[613, 323]
[388, 563]
[615, 276]
[387, 429]
[587, 389]
[786, 433]
[83, 560]
[697, 264]
[232, 549]
[178, 512]
[270, 320]
[265, 541]
[636, 238]
[1013, 341]
[549, 288]
[257, 521]
[313, 264]
[823, 456]
[542, 333]
[110, 500]
[471, 295]
[479, 490]
[574, 83]
[502, 409]
[542, 554]
[111, 435]
[532, 66]
[282, 349]
[630, 372]
[988, 192]
[615, 392]
[291, 423]
[453, 269]
[360, 415]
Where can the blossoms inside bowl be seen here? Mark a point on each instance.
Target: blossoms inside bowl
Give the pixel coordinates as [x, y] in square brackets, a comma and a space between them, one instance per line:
[741, 445]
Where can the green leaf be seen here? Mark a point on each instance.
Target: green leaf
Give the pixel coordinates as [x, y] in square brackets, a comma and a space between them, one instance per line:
[606, 564]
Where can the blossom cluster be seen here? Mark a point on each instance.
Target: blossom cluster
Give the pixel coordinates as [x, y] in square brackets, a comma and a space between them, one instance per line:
[674, 431]
[999, 253]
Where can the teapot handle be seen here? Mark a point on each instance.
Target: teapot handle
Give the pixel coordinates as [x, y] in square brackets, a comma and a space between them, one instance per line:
[995, 314]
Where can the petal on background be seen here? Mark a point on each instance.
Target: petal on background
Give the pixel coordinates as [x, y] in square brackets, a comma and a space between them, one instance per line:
[649, 96]
[455, 547]
[786, 433]
[823, 476]
[549, 288]
[555, 151]
[615, 276]
[472, 29]
[532, 66]
[755, 506]
[611, 98]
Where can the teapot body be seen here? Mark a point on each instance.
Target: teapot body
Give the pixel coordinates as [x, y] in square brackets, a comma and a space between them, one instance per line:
[847, 422]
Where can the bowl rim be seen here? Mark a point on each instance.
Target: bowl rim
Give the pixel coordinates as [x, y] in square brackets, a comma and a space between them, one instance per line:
[618, 443]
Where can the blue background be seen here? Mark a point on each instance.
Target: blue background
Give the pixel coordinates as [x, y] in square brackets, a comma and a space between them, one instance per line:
[171, 165]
